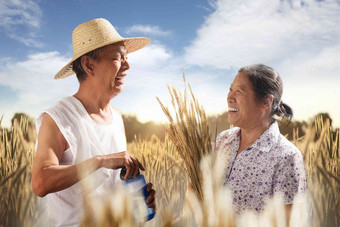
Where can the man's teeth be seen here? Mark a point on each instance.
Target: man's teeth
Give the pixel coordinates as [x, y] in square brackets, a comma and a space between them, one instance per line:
[232, 109]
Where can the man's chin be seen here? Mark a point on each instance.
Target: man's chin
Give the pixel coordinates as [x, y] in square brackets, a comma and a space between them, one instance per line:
[118, 89]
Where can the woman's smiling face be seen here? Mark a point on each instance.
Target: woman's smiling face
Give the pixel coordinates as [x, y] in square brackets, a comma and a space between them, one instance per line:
[244, 110]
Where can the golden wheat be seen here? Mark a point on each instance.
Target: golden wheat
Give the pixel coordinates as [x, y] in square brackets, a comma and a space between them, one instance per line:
[320, 147]
[165, 168]
[109, 209]
[18, 205]
[189, 133]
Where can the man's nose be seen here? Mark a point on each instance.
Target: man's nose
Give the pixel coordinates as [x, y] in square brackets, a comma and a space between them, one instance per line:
[126, 64]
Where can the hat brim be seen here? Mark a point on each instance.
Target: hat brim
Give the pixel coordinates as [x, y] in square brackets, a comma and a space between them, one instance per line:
[131, 45]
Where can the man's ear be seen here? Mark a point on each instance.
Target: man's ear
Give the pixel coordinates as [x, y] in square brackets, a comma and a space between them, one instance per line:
[87, 64]
[268, 101]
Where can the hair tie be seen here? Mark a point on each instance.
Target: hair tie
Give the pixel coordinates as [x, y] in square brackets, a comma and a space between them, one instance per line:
[279, 110]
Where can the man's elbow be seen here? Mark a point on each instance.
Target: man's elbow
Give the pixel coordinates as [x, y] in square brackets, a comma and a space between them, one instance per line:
[38, 187]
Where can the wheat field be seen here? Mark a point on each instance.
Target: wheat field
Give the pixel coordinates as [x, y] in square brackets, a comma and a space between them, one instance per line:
[166, 169]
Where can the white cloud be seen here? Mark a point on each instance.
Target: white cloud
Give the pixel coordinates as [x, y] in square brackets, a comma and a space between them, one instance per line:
[26, 40]
[20, 19]
[300, 39]
[245, 32]
[147, 29]
[32, 80]
[32, 73]
[19, 12]
[152, 56]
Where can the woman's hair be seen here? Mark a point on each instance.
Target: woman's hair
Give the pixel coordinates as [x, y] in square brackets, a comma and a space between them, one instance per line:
[78, 68]
[266, 81]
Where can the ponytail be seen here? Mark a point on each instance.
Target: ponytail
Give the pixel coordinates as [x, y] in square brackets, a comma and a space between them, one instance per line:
[283, 110]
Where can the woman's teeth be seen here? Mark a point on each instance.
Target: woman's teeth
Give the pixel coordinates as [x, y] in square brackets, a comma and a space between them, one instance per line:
[232, 109]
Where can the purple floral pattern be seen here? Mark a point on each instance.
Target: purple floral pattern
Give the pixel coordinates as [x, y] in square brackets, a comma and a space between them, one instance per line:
[272, 164]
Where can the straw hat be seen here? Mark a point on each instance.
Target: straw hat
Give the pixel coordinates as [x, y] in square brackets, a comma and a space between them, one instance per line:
[95, 34]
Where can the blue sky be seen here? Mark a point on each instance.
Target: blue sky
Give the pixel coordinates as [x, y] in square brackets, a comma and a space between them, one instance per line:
[212, 39]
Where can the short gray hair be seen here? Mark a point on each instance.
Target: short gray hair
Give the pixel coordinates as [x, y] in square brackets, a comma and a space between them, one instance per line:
[78, 68]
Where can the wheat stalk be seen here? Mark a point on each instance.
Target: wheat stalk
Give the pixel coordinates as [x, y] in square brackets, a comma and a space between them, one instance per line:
[18, 205]
[320, 147]
[189, 132]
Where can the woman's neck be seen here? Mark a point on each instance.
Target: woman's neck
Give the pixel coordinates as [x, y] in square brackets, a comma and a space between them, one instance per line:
[249, 135]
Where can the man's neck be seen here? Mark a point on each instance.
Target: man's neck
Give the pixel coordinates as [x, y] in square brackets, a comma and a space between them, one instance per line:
[97, 104]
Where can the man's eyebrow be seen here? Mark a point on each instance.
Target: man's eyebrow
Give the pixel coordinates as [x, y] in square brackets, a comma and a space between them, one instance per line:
[123, 52]
[119, 51]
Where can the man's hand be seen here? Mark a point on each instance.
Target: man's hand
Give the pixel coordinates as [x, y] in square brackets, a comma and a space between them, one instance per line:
[120, 160]
[151, 200]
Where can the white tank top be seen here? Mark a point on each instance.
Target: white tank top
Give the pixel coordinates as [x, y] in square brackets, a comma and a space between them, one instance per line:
[86, 139]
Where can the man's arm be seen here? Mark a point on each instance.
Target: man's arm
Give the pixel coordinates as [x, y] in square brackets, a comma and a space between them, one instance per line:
[48, 176]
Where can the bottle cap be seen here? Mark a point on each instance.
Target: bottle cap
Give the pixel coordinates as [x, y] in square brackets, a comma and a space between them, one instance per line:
[123, 172]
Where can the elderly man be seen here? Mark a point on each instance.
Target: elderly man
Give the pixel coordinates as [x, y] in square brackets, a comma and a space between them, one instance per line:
[82, 136]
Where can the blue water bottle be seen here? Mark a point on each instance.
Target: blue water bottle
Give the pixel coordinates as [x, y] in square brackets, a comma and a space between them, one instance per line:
[137, 187]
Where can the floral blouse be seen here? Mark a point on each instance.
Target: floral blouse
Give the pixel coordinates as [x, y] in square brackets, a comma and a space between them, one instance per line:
[272, 164]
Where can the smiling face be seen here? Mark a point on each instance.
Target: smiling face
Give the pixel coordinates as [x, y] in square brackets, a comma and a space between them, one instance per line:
[244, 110]
[112, 68]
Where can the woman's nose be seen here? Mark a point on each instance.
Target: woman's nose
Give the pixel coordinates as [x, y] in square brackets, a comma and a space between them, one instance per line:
[230, 96]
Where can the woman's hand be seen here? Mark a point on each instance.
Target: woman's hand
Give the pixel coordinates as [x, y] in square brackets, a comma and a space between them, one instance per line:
[151, 200]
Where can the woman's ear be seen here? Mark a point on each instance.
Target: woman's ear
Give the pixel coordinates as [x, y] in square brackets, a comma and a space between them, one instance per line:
[86, 63]
[268, 101]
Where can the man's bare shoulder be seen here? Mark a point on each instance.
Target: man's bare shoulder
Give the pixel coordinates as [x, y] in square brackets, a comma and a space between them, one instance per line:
[49, 130]
[49, 123]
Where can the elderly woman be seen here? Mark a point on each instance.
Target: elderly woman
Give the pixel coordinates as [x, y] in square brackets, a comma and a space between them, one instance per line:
[262, 162]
